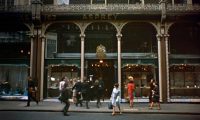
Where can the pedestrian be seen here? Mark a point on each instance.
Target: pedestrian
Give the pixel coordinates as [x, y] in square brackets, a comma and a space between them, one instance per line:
[131, 89]
[86, 92]
[115, 98]
[61, 85]
[65, 95]
[151, 85]
[32, 91]
[155, 96]
[78, 88]
[97, 92]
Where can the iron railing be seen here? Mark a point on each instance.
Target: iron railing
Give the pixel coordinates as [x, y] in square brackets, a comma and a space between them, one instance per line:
[102, 8]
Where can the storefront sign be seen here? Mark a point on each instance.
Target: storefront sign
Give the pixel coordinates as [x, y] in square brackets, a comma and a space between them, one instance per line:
[99, 17]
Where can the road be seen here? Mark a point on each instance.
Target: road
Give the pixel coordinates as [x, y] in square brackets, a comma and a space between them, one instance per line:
[27, 115]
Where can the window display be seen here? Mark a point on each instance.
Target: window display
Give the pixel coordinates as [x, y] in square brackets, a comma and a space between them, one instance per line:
[142, 75]
[185, 81]
[56, 73]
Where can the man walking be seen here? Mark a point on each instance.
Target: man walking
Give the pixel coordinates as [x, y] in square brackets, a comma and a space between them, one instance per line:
[32, 91]
[65, 95]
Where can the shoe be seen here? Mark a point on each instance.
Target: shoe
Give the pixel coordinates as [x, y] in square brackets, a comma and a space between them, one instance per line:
[150, 108]
[113, 114]
[66, 114]
[27, 106]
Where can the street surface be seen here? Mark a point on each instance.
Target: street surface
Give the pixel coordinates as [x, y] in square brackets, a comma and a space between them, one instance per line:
[32, 115]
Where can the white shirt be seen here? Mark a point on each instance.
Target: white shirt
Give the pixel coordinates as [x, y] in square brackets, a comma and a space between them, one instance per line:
[61, 85]
[115, 97]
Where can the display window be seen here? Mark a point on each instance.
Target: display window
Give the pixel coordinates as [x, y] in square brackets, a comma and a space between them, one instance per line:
[184, 81]
[142, 75]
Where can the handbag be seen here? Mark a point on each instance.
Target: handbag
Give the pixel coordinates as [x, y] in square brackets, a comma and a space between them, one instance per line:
[110, 106]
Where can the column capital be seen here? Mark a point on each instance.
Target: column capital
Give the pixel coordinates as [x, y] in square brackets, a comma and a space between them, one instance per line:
[82, 35]
[119, 35]
[166, 35]
[42, 36]
[159, 35]
[32, 36]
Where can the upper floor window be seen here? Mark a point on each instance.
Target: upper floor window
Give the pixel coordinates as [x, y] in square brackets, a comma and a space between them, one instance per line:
[47, 1]
[196, 2]
[6, 2]
[180, 1]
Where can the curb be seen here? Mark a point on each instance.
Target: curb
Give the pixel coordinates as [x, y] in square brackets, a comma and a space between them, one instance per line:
[106, 111]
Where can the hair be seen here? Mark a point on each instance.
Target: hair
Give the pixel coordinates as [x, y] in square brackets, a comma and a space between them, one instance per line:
[131, 78]
[116, 85]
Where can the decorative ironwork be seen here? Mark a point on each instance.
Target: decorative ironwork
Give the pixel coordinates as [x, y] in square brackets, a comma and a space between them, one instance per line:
[101, 52]
[102, 8]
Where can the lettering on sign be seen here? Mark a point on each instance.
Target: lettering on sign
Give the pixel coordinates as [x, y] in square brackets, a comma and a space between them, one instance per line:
[99, 17]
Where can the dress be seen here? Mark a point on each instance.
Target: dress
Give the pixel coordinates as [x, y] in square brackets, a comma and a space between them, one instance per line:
[150, 91]
[115, 96]
[155, 94]
[131, 87]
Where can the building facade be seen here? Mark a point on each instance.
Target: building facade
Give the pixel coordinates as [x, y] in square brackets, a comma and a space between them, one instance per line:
[108, 39]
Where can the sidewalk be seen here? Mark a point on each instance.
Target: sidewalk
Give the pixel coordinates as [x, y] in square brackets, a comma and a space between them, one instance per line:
[139, 108]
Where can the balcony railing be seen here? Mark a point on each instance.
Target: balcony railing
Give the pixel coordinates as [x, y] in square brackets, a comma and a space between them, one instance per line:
[109, 8]
[18, 8]
[102, 8]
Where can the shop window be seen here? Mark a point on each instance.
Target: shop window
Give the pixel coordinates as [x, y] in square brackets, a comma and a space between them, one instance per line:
[13, 80]
[56, 73]
[142, 75]
[184, 81]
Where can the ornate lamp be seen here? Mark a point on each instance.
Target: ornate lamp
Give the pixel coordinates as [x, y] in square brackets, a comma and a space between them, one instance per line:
[101, 52]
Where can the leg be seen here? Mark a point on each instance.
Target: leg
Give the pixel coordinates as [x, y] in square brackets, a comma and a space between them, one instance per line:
[86, 103]
[113, 113]
[158, 105]
[98, 102]
[66, 108]
[118, 105]
[29, 99]
[151, 106]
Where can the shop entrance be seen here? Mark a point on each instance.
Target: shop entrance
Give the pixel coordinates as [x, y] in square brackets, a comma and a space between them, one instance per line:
[103, 69]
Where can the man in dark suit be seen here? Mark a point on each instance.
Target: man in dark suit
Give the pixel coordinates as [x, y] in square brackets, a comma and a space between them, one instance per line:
[31, 91]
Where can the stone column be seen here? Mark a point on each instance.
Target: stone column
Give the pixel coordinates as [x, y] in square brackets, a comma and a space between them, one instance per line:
[43, 40]
[162, 64]
[82, 36]
[119, 36]
[166, 36]
[189, 2]
[37, 61]
[142, 1]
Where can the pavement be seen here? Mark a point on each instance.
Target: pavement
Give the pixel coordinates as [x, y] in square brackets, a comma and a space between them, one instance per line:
[53, 105]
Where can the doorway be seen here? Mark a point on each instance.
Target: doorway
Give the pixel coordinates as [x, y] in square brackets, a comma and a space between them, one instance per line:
[103, 69]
